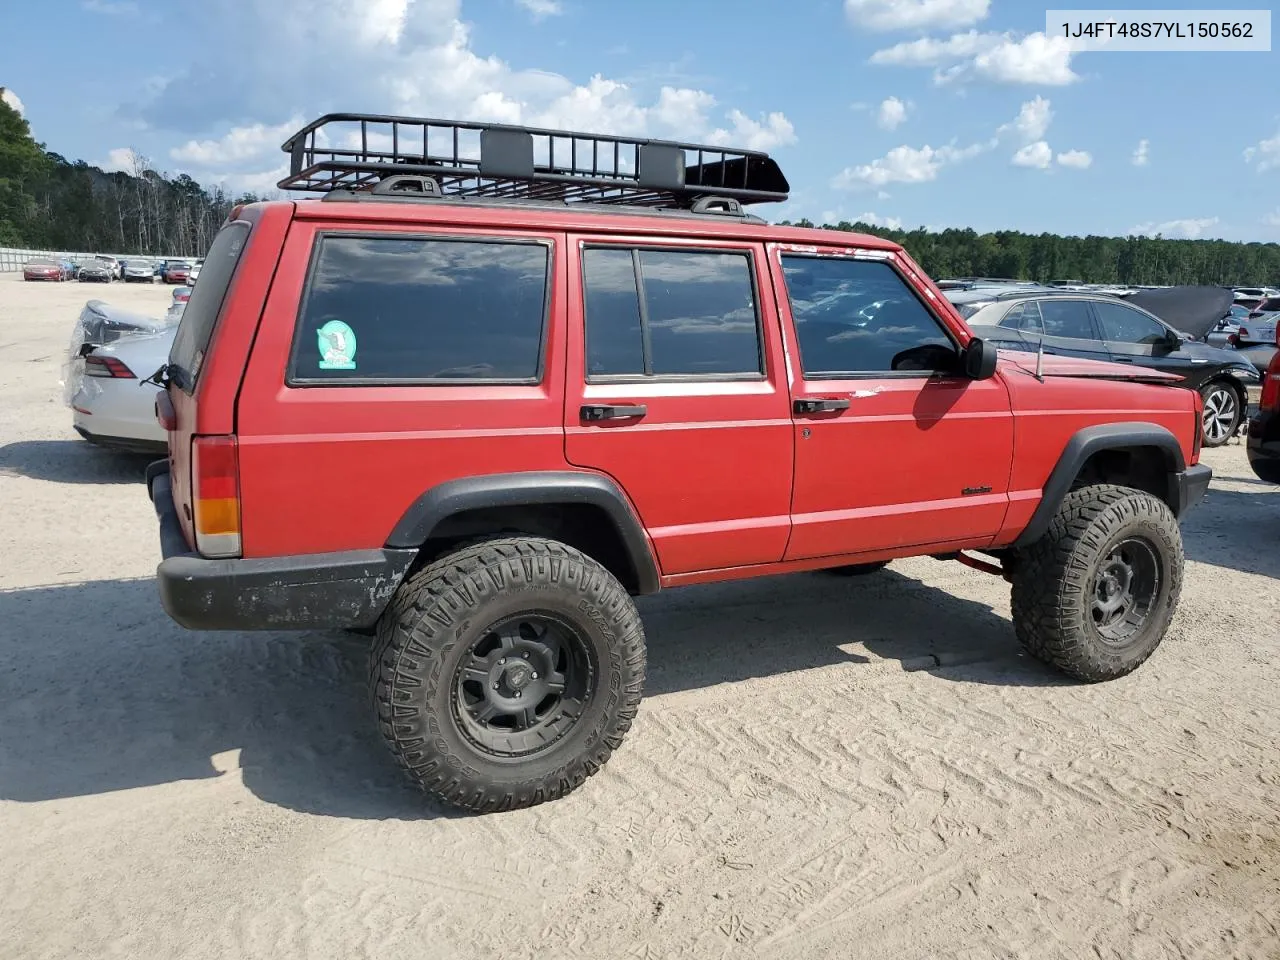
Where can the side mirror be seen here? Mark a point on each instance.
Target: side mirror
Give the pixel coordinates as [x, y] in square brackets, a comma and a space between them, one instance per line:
[980, 359]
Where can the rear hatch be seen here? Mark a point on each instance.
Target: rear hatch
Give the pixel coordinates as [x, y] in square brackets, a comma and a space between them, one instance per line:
[179, 406]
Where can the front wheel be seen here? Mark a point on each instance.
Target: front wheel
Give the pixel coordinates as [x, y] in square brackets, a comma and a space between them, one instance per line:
[506, 673]
[1222, 413]
[1094, 596]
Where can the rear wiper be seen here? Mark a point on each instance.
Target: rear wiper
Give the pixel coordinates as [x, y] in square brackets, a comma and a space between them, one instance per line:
[164, 376]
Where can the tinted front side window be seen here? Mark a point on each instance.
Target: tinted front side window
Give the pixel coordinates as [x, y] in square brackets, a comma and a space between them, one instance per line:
[1122, 324]
[1067, 318]
[856, 316]
[409, 309]
[670, 313]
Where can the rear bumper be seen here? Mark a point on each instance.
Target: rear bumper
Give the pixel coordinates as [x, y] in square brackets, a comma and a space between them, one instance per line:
[1263, 446]
[1191, 485]
[308, 592]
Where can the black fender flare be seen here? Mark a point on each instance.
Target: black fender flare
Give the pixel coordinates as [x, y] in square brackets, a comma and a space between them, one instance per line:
[1092, 440]
[531, 488]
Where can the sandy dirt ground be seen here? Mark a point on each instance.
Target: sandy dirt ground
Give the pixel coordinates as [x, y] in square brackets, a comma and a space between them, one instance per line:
[821, 767]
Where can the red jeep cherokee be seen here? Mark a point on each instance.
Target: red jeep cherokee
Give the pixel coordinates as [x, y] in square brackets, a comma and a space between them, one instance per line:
[497, 381]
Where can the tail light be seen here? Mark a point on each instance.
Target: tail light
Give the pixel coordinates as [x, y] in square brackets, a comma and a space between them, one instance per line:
[111, 367]
[1197, 439]
[215, 495]
[1242, 333]
[1270, 399]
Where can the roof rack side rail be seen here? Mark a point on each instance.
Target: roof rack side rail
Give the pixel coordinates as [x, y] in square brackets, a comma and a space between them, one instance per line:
[356, 151]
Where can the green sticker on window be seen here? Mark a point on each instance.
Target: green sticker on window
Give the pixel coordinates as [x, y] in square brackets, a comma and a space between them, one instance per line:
[337, 343]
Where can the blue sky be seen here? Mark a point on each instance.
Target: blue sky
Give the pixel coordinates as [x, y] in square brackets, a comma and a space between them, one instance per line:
[914, 112]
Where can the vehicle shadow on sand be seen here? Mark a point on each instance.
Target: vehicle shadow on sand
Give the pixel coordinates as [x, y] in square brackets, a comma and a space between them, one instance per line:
[101, 692]
[73, 461]
[1237, 529]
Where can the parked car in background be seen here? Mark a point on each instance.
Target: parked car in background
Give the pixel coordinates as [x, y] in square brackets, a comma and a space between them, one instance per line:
[193, 273]
[99, 323]
[112, 404]
[116, 268]
[1100, 327]
[1259, 328]
[181, 294]
[175, 271]
[44, 270]
[139, 271]
[1265, 305]
[95, 271]
[1263, 443]
[110, 353]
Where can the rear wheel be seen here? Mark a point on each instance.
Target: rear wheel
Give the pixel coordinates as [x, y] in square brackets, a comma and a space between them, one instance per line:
[506, 673]
[1095, 595]
[1222, 413]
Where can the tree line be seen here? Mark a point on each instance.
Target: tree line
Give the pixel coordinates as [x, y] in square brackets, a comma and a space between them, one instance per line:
[48, 202]
[1092, 259]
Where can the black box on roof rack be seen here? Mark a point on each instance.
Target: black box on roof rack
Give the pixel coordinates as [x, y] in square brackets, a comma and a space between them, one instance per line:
[355, 152]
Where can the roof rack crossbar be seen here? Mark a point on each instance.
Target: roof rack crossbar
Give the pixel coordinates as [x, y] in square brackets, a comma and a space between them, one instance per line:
[352, 151]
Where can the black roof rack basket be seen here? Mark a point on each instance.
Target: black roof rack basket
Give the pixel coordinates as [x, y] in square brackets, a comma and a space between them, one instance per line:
[354, 151]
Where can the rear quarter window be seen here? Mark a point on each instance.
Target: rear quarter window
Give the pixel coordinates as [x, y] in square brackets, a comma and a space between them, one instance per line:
[422, 310]
[195, 331]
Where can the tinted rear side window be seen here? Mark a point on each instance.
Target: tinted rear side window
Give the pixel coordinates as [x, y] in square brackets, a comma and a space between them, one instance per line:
[393, 309]
[190, 343]
[672, 313]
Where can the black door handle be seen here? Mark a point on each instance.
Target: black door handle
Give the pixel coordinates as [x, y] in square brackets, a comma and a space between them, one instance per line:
[592, 411]
[821, 404]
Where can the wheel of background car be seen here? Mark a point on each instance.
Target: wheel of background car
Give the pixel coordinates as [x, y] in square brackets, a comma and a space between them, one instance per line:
[507, 672]
[1222, 413]
[1094, 595]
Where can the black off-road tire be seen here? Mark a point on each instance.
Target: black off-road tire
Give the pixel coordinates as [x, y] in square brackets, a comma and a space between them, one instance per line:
[434, 626]
[1056, 580]
[856, 569]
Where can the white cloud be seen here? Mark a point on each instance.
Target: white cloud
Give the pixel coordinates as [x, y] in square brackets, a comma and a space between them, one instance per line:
[892, 113]
[542, 8]
[112, 8]
[1190, 229]
[1034, 59]
[240, 143]
[1272, 219]
[1141, 153]
[1076, 159]
[883, 195]
[11, 98]
[1032, 121]
[412, 57]
[904, 165]
[1266, 153]
[119, 160]
[748, 134]
[928, 52]
[1037, 155]
[915, 14]
[875, 220]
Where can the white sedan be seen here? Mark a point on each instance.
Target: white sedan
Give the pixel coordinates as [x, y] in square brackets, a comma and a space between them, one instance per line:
[106, 383]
